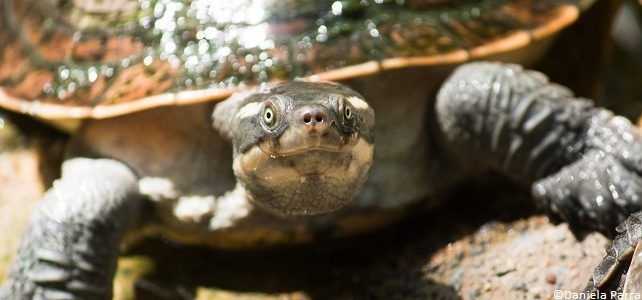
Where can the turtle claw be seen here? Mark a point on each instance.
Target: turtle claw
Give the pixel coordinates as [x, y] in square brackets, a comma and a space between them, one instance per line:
[53, 274]
[610, 273]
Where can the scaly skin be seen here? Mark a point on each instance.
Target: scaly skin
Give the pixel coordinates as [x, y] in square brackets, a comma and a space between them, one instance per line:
[610, 274]
[71, 246]
[581, 162]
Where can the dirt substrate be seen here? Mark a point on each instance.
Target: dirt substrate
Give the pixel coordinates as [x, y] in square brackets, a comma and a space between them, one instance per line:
[469, 249]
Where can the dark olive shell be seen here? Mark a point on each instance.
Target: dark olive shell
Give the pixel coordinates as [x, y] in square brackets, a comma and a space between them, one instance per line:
[79, 59]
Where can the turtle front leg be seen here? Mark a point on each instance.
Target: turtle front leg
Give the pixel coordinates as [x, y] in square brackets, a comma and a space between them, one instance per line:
[71, 246]
[583, 164]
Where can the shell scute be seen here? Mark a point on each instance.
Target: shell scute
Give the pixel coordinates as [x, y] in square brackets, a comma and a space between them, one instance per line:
[89, 55]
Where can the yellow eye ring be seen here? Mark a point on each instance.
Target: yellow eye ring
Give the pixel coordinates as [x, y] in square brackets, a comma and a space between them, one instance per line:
[269, 115]
[347, 112]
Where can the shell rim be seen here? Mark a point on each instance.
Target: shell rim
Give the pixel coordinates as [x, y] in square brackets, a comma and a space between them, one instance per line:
[565, 15]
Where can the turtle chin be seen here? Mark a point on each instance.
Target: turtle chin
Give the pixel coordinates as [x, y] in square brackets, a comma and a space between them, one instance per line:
[304, 182]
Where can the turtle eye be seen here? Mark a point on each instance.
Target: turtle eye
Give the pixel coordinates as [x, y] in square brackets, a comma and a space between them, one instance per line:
[269, 115]
[347, 112]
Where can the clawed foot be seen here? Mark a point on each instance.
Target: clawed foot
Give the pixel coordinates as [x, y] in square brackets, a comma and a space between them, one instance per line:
[601, 188]
[71, 247]
[49, 269]
[611, 273]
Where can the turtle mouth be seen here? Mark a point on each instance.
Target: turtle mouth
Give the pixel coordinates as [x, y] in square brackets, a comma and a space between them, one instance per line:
[299, 140]
[305, 149]
[310, 160]
[277, 148]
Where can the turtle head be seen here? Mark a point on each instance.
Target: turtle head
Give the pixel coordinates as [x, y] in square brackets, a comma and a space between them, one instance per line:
[302, 148]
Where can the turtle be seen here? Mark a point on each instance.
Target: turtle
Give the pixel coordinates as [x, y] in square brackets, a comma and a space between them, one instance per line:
[250, 124]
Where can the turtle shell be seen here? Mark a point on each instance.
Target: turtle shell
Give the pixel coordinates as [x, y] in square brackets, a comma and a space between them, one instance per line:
[62, 59]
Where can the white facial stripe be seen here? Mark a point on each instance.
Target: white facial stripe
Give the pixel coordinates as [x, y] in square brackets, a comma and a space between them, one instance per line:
[249, 110]
[358, 103]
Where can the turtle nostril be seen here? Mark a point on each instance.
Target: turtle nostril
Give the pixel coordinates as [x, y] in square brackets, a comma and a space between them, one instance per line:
[307, 118]
[314, 115]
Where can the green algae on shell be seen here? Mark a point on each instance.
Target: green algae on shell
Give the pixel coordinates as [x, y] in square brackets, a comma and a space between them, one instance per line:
[79, 59]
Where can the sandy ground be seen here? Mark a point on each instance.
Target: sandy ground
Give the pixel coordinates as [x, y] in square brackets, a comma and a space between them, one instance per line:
[19, 194]
[466, 250]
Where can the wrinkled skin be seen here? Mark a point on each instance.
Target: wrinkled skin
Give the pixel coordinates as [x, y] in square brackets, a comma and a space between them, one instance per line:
[581, 163]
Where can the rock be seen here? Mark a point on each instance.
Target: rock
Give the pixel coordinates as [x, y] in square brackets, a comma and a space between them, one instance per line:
[551, 278]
